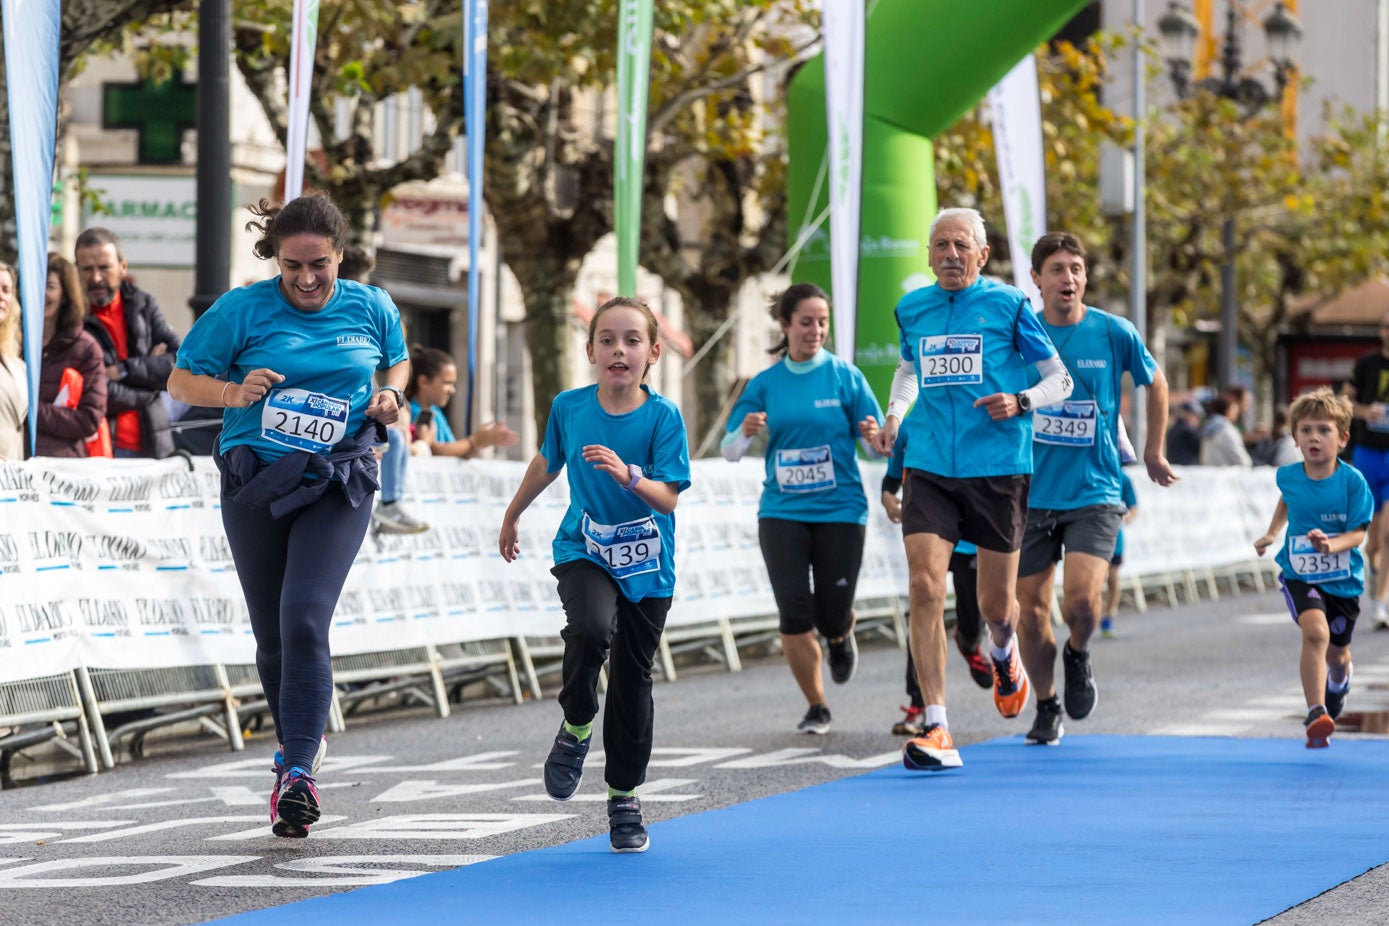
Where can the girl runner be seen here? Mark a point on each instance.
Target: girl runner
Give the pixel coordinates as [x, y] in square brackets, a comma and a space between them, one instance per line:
[628, 462]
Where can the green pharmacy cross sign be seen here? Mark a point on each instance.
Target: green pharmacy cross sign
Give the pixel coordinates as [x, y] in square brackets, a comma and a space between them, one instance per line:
[159, 111]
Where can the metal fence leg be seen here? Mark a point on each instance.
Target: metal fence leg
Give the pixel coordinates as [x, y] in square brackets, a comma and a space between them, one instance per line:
[1211, 585]
[528, 665]
[511, 674]
[1140, 601]
[1189, 580]
[730, 646]
[899, 622]
[84, 730]
[229, 707]
[336, 721]
[1256, 572]
[436, 678]
[89, 704]
[667, 660]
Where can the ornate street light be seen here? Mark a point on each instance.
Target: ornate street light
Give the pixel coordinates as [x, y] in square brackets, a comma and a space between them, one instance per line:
[1178, 31]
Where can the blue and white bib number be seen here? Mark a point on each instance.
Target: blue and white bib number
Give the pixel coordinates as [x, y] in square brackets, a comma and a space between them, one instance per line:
[627, 549]
[951, 360]
[1313, 566]
[1068, 424]
[807, 470]
[304, 420]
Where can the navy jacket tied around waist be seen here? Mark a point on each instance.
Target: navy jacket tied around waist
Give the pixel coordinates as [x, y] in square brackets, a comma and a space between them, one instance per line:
[300, 479]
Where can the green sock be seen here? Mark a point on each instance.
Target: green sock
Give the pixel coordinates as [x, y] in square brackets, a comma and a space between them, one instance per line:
[613, 792]
[580, 733]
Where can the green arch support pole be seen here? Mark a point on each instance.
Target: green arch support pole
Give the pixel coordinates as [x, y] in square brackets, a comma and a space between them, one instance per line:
[926, 63]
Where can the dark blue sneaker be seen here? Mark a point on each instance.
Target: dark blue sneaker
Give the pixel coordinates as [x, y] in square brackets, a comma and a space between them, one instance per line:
[625, 830]
[296, 805]
[564, 766]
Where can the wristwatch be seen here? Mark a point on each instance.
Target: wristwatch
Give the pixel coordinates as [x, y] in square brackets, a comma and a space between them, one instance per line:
[1024, 403]
[399, 396]
[636, 472]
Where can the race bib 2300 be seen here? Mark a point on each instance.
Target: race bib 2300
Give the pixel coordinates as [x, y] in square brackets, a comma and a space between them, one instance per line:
[951, 360]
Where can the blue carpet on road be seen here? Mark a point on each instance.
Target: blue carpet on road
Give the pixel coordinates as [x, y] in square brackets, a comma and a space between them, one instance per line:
[1103, 829]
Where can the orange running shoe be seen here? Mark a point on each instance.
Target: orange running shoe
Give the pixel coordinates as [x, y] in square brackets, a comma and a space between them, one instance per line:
[1010, 685]
[1319, 726]
[932, 751]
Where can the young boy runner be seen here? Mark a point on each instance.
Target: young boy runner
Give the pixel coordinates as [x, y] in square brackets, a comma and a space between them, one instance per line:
[1327, 506]
[628, 462]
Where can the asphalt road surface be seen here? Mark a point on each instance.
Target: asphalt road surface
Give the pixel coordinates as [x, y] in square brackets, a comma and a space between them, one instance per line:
[182, 836]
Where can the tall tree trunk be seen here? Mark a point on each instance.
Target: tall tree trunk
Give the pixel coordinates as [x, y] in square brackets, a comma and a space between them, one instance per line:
[547, 290]
[715, 374]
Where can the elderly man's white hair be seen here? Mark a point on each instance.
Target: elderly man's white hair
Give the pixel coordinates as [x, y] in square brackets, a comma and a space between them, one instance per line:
[972, 216]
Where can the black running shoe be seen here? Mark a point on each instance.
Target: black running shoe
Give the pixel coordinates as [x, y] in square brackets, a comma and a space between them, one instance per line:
[625, 830]
[817, 720]
[843, 658]
[564, 767]
[1080, 684]
[980, 668]
[1047, 729]
[1335, 701]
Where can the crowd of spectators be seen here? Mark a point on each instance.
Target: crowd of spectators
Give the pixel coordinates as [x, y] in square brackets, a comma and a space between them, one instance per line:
[1216, 433]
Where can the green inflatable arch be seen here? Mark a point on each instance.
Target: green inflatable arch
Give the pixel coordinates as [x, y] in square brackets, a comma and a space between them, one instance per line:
[926, 63]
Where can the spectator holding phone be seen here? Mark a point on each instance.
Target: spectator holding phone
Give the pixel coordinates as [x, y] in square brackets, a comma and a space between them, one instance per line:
[433, 381]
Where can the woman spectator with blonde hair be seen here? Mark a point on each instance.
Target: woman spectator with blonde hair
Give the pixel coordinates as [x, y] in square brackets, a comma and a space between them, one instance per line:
[14, 380]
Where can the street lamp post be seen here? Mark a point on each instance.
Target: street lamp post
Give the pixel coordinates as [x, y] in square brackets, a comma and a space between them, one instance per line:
[1179, 30]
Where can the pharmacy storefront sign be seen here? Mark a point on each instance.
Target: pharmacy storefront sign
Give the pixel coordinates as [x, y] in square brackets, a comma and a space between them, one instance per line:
[156, 217]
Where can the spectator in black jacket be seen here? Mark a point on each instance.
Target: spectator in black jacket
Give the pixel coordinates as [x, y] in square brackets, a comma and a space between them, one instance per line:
[1184, 437]
[137, 342]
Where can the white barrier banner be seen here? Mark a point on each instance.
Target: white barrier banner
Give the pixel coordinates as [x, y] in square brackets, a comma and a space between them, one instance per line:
[124, 563]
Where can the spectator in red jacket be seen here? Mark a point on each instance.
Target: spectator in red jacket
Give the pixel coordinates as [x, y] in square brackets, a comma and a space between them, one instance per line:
[138, 347]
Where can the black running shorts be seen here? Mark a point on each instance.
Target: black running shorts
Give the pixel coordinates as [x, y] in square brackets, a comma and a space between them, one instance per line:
[988, 511]
[1340, 612]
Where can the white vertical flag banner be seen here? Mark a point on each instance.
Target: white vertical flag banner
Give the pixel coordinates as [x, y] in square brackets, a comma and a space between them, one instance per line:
[31, 85]
[1015, 107]
[843, 22]
[301, 52]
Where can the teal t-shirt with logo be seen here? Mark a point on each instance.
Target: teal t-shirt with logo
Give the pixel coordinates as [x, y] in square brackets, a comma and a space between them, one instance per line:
[813, 408]
[1075, 443]
[605, 523]
[327, 357]
[1339, 503]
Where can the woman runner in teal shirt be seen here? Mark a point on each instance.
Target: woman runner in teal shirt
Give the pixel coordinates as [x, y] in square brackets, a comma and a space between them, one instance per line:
[292, 360]
[812, 407]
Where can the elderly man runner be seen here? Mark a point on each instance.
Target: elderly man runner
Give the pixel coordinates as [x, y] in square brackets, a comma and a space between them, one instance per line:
[967, 348]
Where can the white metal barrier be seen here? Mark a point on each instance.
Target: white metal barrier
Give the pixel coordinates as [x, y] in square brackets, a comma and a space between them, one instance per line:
[119, 571]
